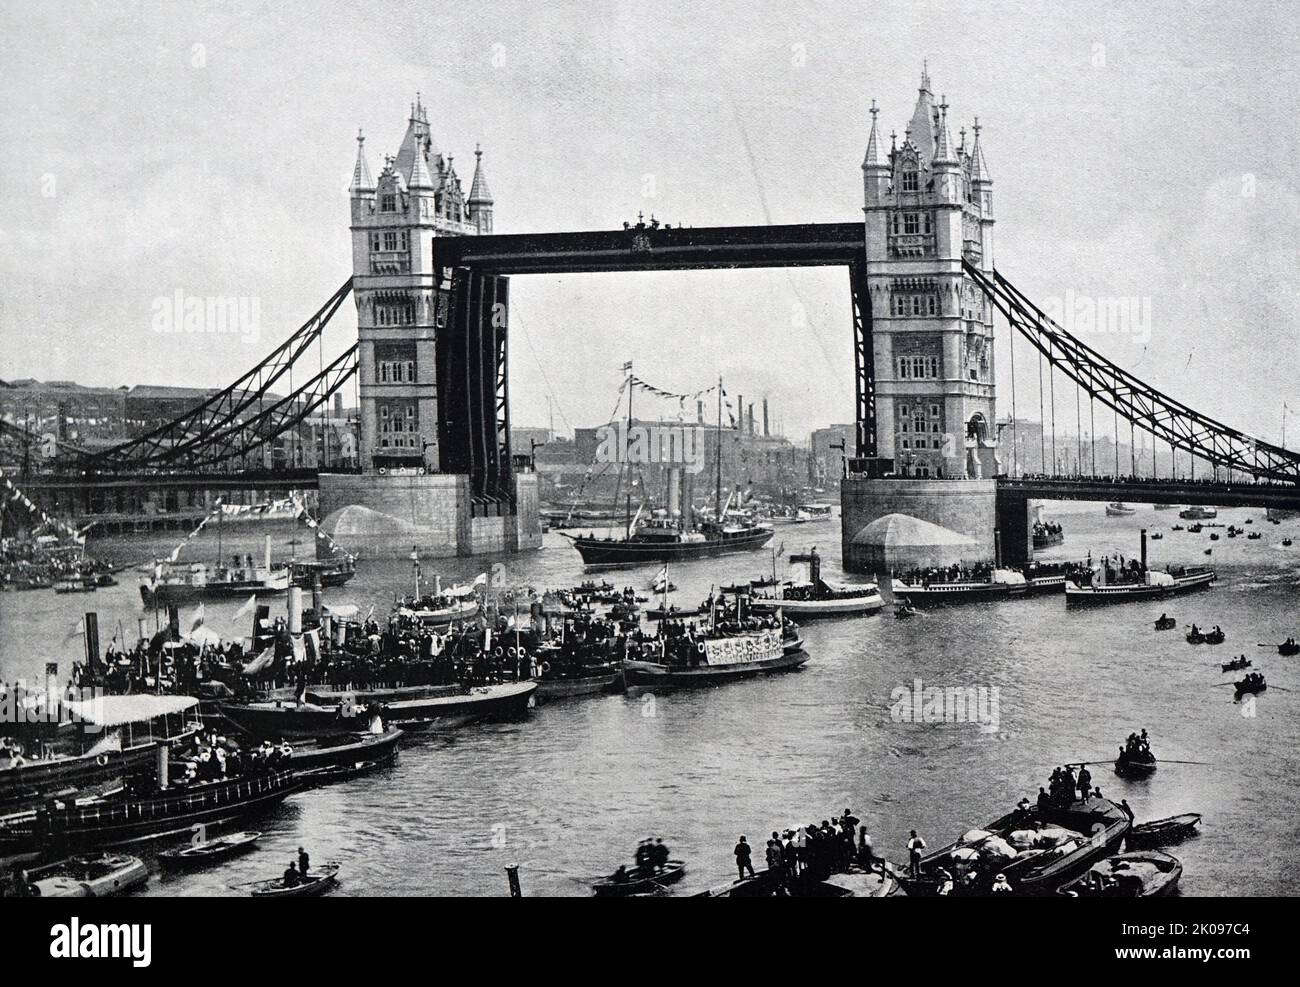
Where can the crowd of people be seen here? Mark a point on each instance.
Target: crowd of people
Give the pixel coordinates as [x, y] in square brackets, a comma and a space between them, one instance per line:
[979, 572]
[811, 852]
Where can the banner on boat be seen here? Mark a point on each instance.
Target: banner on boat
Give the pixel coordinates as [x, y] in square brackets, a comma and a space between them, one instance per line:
[736, 650]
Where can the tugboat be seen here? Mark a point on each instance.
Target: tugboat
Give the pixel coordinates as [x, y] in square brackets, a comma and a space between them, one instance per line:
[1117, 509]
[812, 513]
[735, 647]
[1199, 513]
[1106, 584]
[984, 582]
[818, 598]
[175, 584]
[117, 742]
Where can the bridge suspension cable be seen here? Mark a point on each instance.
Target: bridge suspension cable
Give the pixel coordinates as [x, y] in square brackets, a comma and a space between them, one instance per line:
[183, 440]
[1138, 402]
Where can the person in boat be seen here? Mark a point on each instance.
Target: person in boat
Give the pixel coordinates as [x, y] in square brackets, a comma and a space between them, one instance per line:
[773, 856]
[1068, 785]
[291, 878]
[661, 855]
[742, 853]
[1044, 800]
[1085, 781]
[304, 861]
[1001, 885]
[914, 847]
[620, 876]
[1128, 810]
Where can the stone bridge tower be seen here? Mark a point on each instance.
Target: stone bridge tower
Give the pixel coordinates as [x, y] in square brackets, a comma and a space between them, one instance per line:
[928, 206]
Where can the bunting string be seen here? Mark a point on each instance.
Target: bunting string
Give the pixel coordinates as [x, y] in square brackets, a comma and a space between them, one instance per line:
[300, 512]
[15, 495]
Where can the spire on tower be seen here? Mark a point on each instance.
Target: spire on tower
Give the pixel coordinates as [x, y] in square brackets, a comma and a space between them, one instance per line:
[478, 190]
[420, 176]
[361, 180]
[418, 142]
[925, 75]
[943, 151]
[875, 153]
[979, 169]
[921, 129]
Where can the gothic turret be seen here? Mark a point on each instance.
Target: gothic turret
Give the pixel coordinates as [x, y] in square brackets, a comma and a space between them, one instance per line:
[875, 166]
[480, 196]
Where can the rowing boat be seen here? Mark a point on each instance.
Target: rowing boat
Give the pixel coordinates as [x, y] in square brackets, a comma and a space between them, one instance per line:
[1147, 874]
[209, 851]
[92, 876]
[1162, 832]
[1127, 767]
[640, 880]
[316, 883]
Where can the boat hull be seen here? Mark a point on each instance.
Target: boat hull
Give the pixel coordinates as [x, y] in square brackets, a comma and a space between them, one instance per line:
[1088, 596]
[944, 593]
[484, 702]
[38, 780]
[673, 872]
[645, 673]
[133, 820]
[584, 685]
[817, 609]
[596, 551]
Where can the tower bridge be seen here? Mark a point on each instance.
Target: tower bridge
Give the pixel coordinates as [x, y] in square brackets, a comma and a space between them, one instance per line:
[431, 281]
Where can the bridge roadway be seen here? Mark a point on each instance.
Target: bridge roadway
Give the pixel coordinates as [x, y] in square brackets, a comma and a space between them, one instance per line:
[1144, 490]
[657, 248]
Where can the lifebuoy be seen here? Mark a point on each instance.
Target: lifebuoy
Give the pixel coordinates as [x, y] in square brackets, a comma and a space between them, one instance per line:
[700, 648]
[383, 471]
[497, 651]
[546, 668]
[101, 760]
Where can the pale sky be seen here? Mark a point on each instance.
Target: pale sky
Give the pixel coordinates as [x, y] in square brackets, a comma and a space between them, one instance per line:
[1141, 150]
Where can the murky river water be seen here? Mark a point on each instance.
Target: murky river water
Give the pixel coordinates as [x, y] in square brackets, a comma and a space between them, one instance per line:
[567, 792]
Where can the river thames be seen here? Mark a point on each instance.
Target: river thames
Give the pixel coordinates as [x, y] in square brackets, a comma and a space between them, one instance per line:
[568, 791]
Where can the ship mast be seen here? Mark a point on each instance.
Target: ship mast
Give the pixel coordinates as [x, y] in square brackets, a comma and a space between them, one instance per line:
[717, 493]
[627, 514]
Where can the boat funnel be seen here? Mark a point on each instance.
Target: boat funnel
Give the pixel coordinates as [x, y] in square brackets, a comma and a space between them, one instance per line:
[1144, 549]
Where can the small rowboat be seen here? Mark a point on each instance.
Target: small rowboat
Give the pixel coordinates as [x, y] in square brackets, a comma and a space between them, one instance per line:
[1236, 665]
[1251, 687]
[209, 852]
[1166, 623]
[640, 881]
[1163, 832]
[316, 883]
[1126, 767]
[1215, 637]
[1147, 874]
[1288, 648]
[92, 876]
